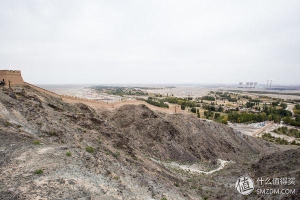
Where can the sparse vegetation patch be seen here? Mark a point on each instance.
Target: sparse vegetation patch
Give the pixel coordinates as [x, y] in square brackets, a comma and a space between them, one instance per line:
[36, 142]
[38, 171]
[90, 149]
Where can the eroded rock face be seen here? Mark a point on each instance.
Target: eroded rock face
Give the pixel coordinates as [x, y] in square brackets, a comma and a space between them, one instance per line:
[53, 150]
[182, 137]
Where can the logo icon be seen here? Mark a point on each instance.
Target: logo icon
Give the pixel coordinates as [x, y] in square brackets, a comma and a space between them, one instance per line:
[244, 185]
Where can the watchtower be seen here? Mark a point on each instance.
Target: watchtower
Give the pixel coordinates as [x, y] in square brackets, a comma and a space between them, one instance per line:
[11, 78]
[177, 109]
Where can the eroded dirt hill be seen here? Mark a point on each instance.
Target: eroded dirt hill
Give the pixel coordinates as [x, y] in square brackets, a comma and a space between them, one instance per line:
[53, 150]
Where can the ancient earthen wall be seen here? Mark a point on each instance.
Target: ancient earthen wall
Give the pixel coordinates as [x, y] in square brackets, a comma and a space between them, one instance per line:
[42, 90]
[99, 104]
[11, 77]
[14, 78]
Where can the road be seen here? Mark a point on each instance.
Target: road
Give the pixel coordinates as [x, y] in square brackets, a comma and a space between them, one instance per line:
[290, 107]
[263, 129]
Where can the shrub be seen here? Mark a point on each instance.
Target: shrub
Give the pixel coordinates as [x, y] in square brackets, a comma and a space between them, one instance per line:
[99, 140]
[36, 142]
[52, 133]
[116, 154]
[224, 121]
[278, 140]
[7, 124]
[69, 154]
[90, 149]
[39, 171]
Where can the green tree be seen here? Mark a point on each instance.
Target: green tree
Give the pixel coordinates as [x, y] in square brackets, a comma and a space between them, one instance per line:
[220, 109]
[193, 110]
[217, 115]
[182, 107]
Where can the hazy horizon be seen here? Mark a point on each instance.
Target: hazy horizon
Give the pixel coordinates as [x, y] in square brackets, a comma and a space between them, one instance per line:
[151, 42]
[166, 84]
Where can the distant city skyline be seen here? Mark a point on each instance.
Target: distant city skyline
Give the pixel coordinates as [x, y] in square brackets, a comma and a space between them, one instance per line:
[151, 42]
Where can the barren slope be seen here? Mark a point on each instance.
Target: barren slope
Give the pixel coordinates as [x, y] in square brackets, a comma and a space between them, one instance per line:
[133, 151]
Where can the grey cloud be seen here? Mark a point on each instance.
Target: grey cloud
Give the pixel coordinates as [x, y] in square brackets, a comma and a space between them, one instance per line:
[154, 41]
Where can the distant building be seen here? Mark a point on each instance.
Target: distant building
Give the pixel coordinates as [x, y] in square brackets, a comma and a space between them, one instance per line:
[248, 85]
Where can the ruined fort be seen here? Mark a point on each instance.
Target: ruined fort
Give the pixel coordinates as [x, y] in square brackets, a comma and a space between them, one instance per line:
[11, 78]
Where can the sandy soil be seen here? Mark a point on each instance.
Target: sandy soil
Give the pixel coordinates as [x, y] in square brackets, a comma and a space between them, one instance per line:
[194, 168]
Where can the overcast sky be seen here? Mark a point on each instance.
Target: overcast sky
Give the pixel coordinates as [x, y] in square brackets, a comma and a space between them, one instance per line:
[151, 41]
